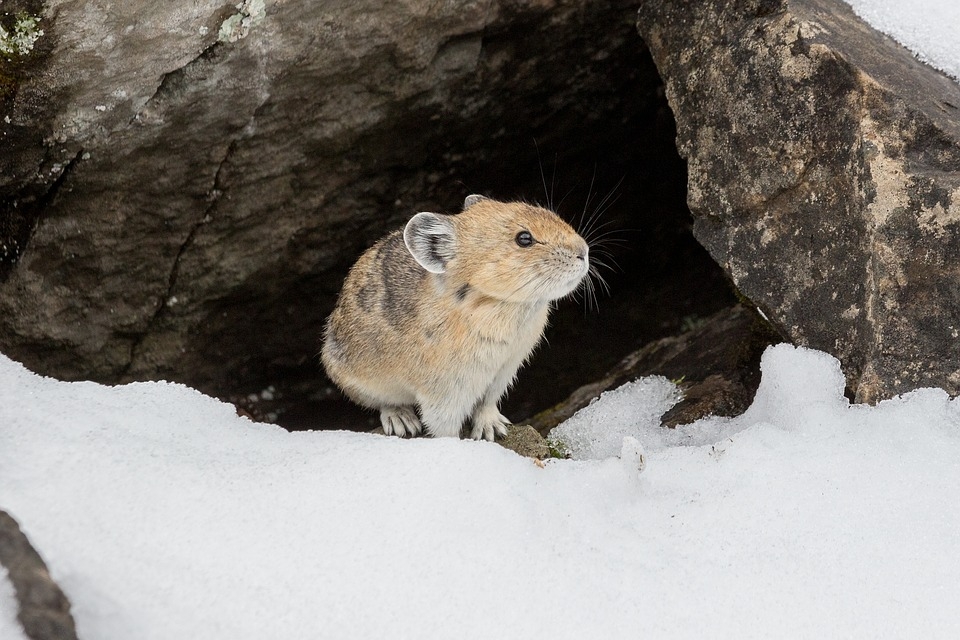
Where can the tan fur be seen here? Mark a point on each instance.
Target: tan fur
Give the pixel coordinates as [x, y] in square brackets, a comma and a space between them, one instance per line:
[450, 343]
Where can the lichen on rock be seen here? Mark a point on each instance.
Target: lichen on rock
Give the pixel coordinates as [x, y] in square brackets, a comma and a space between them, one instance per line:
[25, 32]
[237, 26]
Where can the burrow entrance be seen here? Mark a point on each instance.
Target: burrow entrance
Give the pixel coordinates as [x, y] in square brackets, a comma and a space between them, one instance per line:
[608, 152]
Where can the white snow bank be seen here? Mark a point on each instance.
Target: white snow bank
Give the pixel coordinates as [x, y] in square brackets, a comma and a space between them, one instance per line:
[163, 515]
[928, 28]
[9, 627]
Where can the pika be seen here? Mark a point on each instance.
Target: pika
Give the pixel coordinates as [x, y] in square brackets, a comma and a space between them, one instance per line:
[441, 315]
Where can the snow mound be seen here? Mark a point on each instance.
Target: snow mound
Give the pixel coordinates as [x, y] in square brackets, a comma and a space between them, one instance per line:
[164, 516]
[928, 28]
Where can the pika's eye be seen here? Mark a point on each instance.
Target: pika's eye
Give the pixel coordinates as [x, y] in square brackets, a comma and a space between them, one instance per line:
[524, 239]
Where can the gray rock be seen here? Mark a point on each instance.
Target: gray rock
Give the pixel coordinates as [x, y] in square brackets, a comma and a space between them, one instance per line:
[824, 177]
[524, 440]
[44, 611]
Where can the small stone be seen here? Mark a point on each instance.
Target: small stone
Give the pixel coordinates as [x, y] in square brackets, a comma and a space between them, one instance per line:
[524, 440]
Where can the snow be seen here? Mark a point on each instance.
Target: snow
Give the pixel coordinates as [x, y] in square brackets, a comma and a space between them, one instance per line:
[164, 515]
[632, 410]
[9, 627]
[928, 28]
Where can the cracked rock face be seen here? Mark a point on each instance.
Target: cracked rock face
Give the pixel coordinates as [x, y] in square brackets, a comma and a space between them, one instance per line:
[824, 176]
[194, 180]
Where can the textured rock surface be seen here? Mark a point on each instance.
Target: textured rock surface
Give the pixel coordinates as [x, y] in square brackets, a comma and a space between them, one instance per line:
[716, 364]
[526, 441]
[44, 610]
[824, 176]
[191, 182]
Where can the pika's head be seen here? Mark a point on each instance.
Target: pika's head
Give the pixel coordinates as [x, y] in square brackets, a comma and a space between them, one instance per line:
[510, 251]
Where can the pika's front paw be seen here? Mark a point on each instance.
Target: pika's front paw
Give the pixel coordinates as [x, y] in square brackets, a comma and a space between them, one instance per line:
[488, 423]
[400, 421]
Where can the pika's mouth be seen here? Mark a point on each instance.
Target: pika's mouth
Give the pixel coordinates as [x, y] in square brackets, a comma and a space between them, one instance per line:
[574, 280]
[584, 269]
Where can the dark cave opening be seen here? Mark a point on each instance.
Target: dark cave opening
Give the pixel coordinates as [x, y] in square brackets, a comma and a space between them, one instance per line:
[621, 164]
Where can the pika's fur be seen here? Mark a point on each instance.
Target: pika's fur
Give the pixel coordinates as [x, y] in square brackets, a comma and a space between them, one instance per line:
[441, 315]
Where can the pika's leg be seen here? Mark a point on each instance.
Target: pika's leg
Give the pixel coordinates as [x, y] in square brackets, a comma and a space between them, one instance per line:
[399, 420]
[443, 418]
[488, 422]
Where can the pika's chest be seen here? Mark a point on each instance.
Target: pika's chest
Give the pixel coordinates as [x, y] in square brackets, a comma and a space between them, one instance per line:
[499, 330]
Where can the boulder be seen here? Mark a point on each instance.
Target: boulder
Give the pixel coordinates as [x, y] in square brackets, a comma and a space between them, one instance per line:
[824, 177]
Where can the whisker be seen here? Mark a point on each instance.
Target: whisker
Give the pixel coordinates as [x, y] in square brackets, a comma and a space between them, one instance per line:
[599, 277]
[592, 232]
[602, 281]
[602, 251]
[585, 285]
[560, 204]
[613, 266]
[594, 292]
[553, 178]
[602, 208]
[586, 203]
[610, 232]
[612, 192]
[602, 244]
[543, 178]
[600, 263]
[609, 242]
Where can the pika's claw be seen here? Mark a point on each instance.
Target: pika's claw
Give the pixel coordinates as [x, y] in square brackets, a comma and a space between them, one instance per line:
[400, 421]
[488, 423]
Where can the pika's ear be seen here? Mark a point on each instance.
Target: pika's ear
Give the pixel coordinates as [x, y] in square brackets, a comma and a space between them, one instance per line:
[472, 200]
[431, 240]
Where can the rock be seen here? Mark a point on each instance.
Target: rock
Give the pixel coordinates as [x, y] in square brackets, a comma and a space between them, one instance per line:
[713, 396]
[824, 177]
[44, 609]
[525, 441]
[187, 185]
[716, 364]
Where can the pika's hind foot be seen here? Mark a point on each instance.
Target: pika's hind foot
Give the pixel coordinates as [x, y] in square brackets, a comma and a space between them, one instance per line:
[400, 421]
[488, 423]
